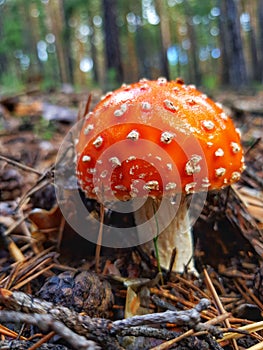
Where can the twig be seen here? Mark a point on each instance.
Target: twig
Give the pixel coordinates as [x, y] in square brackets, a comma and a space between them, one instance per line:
[247, 293]
[9, 333]
[41, 183]
[218, 302]
[22, 302]
[27, 233]
[149, 332]
[97, 329]
[254, 144]
[42, 340]
[19, 165]
[12, 227]
[23, 270]
[60, 232]
[163, 303]
[99, 240]
[101, 330]
[189, 285]
[32, 266]
[190, 332]
[84, 109]
[171, 263]
[189, 317]
[183, 301]
[238, 333]
[46, 322]
[30, 278]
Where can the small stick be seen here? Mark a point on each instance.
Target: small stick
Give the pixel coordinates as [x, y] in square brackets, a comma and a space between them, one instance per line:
[39, 185]
[99, 241]
[254, 144]
[239, 332]
[46, 322]
[9, 333]
[248, 294]
[21, 270]
[169, 296]
[15, 225]
[172, 260]
[186, 317]
[19, 165]
[71, 325]
[60, 232]
[24, 302]
[188, 284]
[43, 340]
[84, 109]
[169, 343]
[218, 303]
[30, 278]
[27, 233]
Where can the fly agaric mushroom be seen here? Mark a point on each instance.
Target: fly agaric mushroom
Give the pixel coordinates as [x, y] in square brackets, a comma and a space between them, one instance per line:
[158, 140]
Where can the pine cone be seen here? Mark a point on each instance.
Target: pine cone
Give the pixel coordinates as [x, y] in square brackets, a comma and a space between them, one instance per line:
[83, 292]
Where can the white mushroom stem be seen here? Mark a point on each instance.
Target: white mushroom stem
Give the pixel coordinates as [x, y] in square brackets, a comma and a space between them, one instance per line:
[174, 224]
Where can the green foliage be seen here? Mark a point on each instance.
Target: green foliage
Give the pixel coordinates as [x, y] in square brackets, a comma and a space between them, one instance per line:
[44, 129]
[111, 80]
[11, 46]
[12, 26]
[10, 84]
[49, 84]
[210, 82]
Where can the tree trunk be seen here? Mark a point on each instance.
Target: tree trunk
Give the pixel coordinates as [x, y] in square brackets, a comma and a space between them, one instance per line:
[3, 58]
[195, 73]
[67, 38]
[56, 14]
[31, 36]
[260, 23]
[113, 53]
[165, 36]
[253, 55]
[232, 46]
[224, 76]
[141, 49]
[130, 57]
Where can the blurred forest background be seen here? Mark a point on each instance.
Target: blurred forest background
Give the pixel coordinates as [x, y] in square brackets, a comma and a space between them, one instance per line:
[102, 43]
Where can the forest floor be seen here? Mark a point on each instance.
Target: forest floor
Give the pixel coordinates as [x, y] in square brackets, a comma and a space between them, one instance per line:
[52, 296]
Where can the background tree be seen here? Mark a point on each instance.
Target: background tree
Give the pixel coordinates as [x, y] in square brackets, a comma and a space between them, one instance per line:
[260, 24]
[56, 15]
[195, 73]
[13, 56]
[129, 18]
[112, 45]
[165, 36]
[234, 67]
[3, 58]
[209, 43]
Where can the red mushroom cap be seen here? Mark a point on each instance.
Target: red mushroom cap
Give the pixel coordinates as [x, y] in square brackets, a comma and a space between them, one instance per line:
[157, 138]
